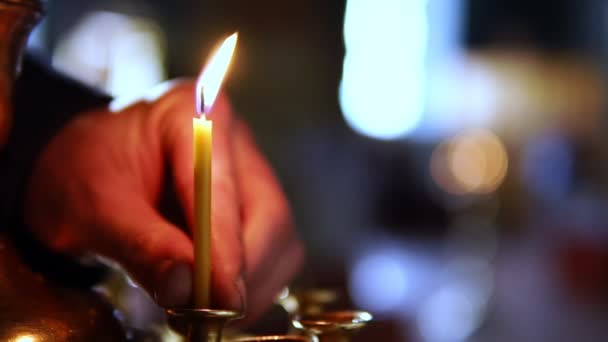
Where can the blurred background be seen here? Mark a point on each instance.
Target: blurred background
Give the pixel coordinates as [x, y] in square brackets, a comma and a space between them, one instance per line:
[446, 159]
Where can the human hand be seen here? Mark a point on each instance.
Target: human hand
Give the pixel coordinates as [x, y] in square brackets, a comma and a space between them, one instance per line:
[97, 186]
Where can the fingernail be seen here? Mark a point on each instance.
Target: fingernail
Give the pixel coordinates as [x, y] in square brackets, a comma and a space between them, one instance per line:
[239, 302]
[177, 287]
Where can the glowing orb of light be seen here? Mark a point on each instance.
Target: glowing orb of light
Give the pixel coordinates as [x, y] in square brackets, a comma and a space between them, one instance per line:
[379, 282]
[382, 93]
[26, 338]
[475, 162]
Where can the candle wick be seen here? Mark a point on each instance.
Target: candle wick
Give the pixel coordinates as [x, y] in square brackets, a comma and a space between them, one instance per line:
[201, 109]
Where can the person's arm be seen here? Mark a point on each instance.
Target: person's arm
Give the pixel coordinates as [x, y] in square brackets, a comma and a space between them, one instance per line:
[95, 182]
[44, 101]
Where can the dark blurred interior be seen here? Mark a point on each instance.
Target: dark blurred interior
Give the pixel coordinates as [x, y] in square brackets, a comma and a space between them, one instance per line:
[446, 159]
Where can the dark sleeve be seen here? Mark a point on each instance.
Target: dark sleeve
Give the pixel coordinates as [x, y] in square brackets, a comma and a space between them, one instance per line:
[44, 101]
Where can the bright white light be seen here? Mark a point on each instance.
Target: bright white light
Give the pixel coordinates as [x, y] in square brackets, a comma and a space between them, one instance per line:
[211, 78]
[151, 94]
[379, 282]
[452, 107]
[26, 338]
[114, 52]
[135, 64]
[382, 89]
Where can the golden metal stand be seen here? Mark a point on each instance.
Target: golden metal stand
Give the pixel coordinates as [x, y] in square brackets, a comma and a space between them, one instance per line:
[308, 301]
[337, 326]
[201, 325]
[283, 338]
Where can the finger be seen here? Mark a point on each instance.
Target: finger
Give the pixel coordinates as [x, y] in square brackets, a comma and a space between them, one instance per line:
[226, 232]
[155, 253]
[282, 267]
[269, 235]
[176, 111]
[267, 216]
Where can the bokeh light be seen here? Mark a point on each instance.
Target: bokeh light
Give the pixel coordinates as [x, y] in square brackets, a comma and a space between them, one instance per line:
[457, 307]
[379, 282]
[548, 167]
[26, 338]
[450, 315]
[475, 162]
[390, 279]
[119, 54]
[382, 89]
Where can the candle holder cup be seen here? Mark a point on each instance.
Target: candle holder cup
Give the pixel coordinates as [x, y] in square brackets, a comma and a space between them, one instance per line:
[336, 326]
[283, 338]
[307, 302]
[201, 325]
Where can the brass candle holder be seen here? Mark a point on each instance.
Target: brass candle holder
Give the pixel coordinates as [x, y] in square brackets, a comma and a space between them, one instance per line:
[307, 302]
[336, 326]
[201, 325]
[284, 338]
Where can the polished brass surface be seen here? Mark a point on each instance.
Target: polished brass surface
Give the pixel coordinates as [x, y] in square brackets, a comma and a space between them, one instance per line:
[307, 301]
[336, 326]
[284, 338]
[17, 18]
[200, 325]
[36, 309]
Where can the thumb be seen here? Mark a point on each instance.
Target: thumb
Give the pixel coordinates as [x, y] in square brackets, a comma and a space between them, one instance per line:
[154, 252]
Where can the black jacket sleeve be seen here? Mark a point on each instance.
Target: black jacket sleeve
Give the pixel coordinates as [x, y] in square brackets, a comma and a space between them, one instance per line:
[44, 101]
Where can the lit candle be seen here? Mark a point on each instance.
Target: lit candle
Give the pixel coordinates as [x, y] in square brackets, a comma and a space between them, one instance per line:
[207, 88]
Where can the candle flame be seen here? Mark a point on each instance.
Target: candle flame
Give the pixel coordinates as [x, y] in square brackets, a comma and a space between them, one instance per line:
[210, 80]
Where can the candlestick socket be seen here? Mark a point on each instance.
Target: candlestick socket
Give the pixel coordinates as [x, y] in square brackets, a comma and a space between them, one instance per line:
[307, 302]
[284, 338]
[200, 325]
[336, 326]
